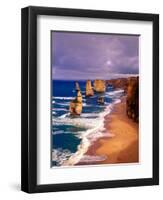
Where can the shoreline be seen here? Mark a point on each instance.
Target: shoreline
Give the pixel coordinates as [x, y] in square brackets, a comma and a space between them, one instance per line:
[121, 142]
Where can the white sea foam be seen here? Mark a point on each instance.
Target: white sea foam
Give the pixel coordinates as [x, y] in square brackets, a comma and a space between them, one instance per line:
[57, 132]
[94, 123]
[60, 155]
[79, 122]
[63, 116]
[77, 134]
[67, 103]
[90, 159]
[89, 115]
[88, 105]
[117, 101]
[64, 98]
[113, 93]
[59, 109]
[95, 131]
[62, 104]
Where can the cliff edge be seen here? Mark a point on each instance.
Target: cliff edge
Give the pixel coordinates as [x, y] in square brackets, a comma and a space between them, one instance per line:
[131, 89]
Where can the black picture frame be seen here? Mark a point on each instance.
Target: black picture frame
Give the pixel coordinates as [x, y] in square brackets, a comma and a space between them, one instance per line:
[29, 99]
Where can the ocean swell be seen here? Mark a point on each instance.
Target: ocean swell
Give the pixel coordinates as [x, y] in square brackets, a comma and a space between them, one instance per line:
[91, 121]
[96, 130]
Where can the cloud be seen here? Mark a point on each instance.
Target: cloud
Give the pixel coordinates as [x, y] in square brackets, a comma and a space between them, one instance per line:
[83, 55]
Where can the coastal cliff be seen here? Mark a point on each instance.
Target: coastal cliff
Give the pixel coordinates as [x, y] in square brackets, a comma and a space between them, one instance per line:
[132, 100]
[129, 85]
[99, 85]
[120, 83]
[89, 89]
[76, 105]
[131, 89]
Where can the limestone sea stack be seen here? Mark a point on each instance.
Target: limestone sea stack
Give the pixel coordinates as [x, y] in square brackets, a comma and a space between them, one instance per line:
[99, 85]
[132, 101]
[89, 89]
[79, 97]
[76, 105]
[100, 100]
[77, 87]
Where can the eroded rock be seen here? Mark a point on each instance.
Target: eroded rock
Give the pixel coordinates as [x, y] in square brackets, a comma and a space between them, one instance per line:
[76, 105]
[89, 89]
[99, 85]
[132, 100]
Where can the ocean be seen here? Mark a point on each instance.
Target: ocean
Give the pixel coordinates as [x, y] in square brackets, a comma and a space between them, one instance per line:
[71, 136]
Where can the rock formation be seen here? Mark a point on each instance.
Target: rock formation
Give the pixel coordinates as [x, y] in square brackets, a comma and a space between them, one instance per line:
[89, 89]
[77, 87]
[118, 83]
[99, 85]
[131, 89]
[132, 100]
[79, 97]
[76, 105]
[100, 100]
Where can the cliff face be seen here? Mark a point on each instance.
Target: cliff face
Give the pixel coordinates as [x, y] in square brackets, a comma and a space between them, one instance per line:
[76, 105]
[99, 86]
[89, 89]
[118, 83]
[132, 101]
[131, 89]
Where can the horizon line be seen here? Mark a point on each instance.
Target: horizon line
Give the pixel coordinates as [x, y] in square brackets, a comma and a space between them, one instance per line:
[93, 79]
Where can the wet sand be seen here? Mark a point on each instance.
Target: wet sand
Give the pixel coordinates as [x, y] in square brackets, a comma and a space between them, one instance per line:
[122, 145]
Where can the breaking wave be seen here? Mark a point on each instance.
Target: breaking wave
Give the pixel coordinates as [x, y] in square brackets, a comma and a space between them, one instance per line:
[95, 129]
[91, 122]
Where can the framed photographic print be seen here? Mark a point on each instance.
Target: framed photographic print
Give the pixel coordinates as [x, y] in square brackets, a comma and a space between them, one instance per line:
[90, 99]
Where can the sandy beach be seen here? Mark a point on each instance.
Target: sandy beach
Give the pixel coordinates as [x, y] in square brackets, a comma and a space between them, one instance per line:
[122, 144]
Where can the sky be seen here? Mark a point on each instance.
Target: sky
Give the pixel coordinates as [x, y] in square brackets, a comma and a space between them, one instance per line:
[81, 56]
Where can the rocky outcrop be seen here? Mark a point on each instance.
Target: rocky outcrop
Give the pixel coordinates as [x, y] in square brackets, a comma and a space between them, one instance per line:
[130, 86]
[99, 86]
[79, 97]
[131, 89]
[100, 100]
[77, 87]
[132, 99]
[89, 89]
[118, 83]
[76, 105]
